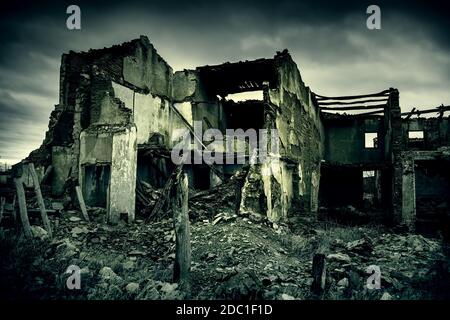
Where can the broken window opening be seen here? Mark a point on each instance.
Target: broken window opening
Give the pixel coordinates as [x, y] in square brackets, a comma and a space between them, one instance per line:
[415, 135]
[368, 173]
[371, 140]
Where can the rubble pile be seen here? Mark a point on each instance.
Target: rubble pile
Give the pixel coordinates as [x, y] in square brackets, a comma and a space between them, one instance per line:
[223, 197]
[235, 255]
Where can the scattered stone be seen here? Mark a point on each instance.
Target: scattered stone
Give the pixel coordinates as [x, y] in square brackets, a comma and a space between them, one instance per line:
[169, 288]
[58, 206]
[149, 292]
[132, 287]
[85, 271]
[216, 220]
[106, 273]
[128, 265]
[137, 253]
[66, 250]
[386, 296]
[341, 257]
[39, 232]
[76, 231]
[285, 296]
[343, 283]
[360, 246]
[256, 217]
[241, 286]
[74, 219]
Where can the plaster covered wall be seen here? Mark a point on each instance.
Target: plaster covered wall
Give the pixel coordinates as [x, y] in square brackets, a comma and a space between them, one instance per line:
[150, 113]
[117, 147]
[123, 175]
[278, 189]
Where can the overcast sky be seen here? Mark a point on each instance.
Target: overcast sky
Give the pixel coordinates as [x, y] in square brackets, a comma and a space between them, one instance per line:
[335, 52]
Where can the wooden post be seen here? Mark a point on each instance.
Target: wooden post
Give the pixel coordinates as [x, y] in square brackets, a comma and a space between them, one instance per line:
[179, 205]
[23, 207]
[47, 173]
[14, 214]
[2, 207]
[318, 273]
[40, 200]
[81, 202]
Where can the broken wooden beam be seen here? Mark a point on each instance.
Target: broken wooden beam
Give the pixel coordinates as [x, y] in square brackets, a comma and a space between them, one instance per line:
[81, 203]
[440, 109]
[40, 200]
[165, 193]
[379, 94]
[370, 113]
[328, 103]
[179, 205]
[47, 173]
[377, 106]
[48, 211]
[199, 139]
[23, 207]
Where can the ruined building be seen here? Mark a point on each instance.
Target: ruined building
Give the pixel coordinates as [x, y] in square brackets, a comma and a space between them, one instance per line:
[119, 109]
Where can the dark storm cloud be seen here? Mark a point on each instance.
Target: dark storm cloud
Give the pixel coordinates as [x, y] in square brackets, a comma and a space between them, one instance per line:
[335, 52]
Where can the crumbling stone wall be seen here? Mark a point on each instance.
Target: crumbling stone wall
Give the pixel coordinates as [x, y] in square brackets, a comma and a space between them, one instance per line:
[436, 132]
[345, 139]
[301, 133]
[434, 146]
[92, 86]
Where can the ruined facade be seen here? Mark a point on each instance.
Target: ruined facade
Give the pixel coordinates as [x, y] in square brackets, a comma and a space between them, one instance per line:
[120, 108]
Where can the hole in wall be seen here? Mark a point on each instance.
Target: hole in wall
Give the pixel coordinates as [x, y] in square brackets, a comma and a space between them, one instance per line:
[371, 140]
